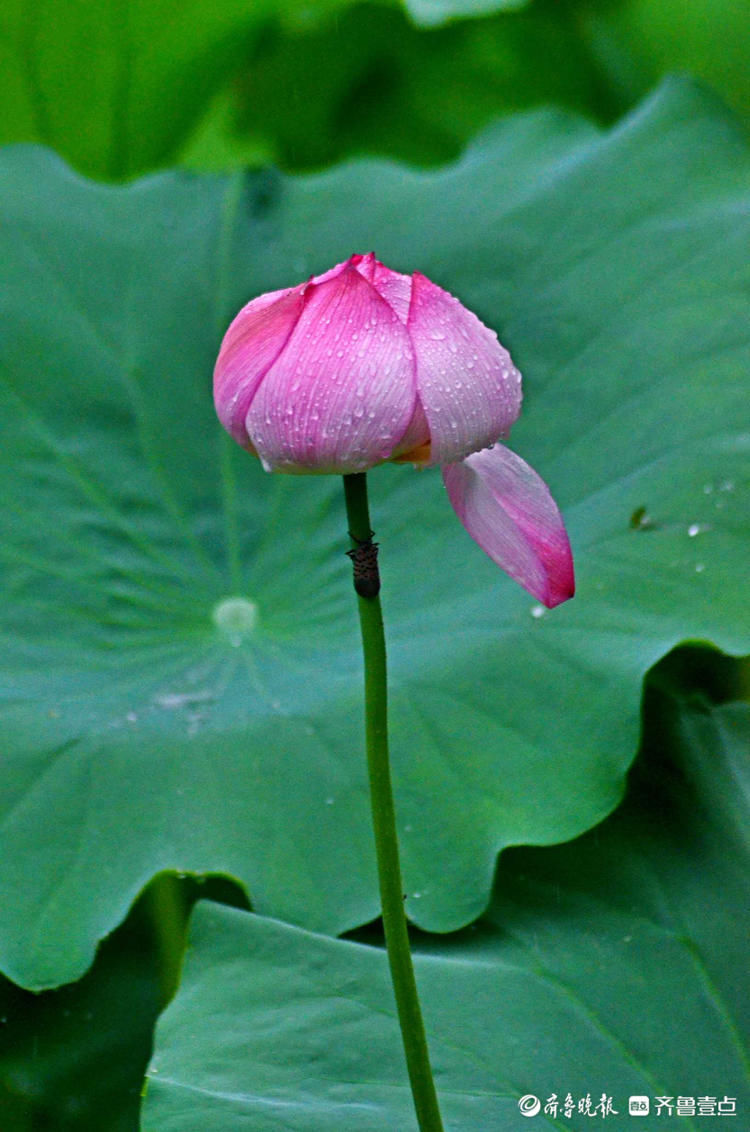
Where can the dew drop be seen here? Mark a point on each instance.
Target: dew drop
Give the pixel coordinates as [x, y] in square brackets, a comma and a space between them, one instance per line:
[537, 611]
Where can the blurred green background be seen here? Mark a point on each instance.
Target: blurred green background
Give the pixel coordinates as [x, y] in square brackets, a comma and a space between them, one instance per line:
[120, 88]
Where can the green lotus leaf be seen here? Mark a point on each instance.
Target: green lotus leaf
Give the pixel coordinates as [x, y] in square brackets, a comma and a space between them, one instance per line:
[149, 726]
[606, 968]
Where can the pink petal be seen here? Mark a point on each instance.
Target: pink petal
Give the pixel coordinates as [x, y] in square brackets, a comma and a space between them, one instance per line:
[395, 289]
[352, 261]
[365, 265]
[342, 393]
[469, 388]
[414, 445]
[254, 340]
[507, 508]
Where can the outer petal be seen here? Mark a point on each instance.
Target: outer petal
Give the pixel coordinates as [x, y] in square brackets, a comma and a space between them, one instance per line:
[252, 343]
[395, 289]
[469, 388]
[507, 508]
[342, 393]
[332, 272]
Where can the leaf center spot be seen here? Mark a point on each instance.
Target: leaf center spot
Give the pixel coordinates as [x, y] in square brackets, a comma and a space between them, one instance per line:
[236, 617]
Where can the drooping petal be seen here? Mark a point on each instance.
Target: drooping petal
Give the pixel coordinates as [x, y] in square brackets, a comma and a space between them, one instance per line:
[342, 394]
[469, 388]
[507, 508]
[253, 342]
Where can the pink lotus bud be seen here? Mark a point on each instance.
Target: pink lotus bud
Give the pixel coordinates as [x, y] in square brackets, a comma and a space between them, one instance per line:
[363, 364]
[360, 365]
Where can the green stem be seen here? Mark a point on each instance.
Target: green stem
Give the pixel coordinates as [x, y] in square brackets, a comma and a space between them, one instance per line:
[383, 811]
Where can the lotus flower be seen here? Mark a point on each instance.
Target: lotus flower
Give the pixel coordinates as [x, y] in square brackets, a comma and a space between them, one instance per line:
[363, 364]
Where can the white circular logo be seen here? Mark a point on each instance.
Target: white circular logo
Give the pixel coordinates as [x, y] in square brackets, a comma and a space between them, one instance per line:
[529, 1105]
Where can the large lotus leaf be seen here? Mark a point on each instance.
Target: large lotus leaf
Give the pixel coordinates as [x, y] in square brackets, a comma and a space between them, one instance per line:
[146, 726]
[606, 967]
[115, 86]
